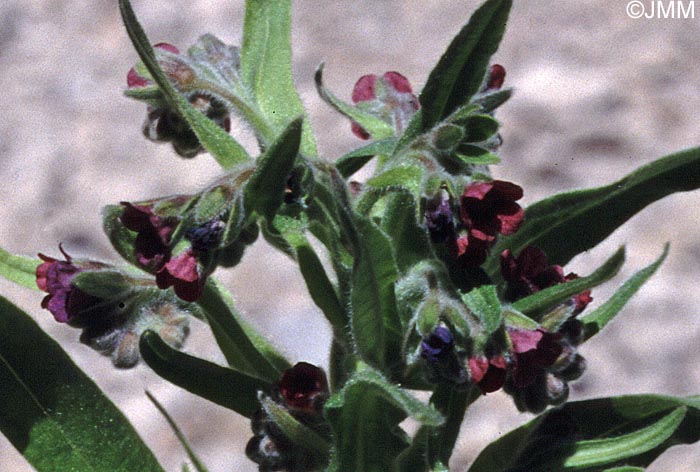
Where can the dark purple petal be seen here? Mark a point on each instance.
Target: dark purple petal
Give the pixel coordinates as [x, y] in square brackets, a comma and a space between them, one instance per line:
[302, 386]
[437, 345]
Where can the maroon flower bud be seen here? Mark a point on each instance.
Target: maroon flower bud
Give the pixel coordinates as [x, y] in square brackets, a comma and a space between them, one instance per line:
[134, 80]
[392, 97]
[488, 373]
[496, 77]
[152, 244]
[488, 208]
[183, 274]
[304, 387]
[64, 301]
[528, 273]
[581, 300]
[206, 236]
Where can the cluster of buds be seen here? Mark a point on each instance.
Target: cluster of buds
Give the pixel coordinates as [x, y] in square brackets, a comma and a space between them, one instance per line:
[111, 307]
[301, 392]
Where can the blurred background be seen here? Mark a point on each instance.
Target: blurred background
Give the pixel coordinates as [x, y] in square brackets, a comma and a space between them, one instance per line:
[597, 94]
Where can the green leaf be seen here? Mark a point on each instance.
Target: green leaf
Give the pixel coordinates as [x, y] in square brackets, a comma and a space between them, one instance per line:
[461, 70]
[104, 284]
[583, 218]
[409, 239]
[375, 323]
[355, 160]
[405, 176]
[595, 435]
[475, 155]
[365, 414]
[266, 65]
[625, 468]
[551, 296]
[51, 411]
[245, 350]
[264, 192]
[376, 127]
[483, 302]
[226, 387]
[321, 289]
[594, 321]
[19, 269]
[478, 128]
[299, 434]
[492, 100]
[218, 142]
[198, 465]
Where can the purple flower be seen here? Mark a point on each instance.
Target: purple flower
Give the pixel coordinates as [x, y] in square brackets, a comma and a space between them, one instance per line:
[488, 208]
[152, 244]
[393, 97]
[439, 219]
[304, 387]
[183, 274]
[437, 345]
[64, 301]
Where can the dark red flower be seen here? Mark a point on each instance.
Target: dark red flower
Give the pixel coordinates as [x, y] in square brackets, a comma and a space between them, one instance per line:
[488, 373]
[528, 273]
[471, 251]
[393, 92]
[533, 352]
[496, 77]
[304, 387]
[152, 244]
[64, 301]
[488, 208]
[581, 300]
[134, 80]
[182, 273]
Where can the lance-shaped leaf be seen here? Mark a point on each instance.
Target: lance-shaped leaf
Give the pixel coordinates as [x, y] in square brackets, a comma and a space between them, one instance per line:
[551, 296]
[409, 238]
[264, 192]
[595, 321]
[226, 150]
[366, 413]
[19, 269]
[375, 126]
[460, 71]
[583, 218]
[266, 64]
[375, 324]
[483, 302]
[226, 387]
[595, 435]
[53, 413]
[245, 349]
[321, 289]
[353, 161]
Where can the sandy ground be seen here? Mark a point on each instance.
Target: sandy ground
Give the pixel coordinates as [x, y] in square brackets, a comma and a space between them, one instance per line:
[597, 94]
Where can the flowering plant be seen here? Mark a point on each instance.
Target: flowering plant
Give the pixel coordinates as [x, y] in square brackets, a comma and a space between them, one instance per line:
[432, 274]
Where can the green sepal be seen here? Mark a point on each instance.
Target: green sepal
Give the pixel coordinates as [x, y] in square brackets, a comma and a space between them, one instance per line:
[353, 161]
[245, 349]
[478, 128]
[224, 386]
[584, 218]
[367, 412]
[534, 305]
[50, 410]
[594, 321]
[300, 435]
[122, 239]
[483, 302]
[476, 155]
[460, 72]
[514, 319]
[19, 269]
[595, 435]
[104, 284]
[404, 176]
[196, 462]
[226, 150]
[376, 127]
[266, 65]
[375, 323]
[264, 192]
[489, 101]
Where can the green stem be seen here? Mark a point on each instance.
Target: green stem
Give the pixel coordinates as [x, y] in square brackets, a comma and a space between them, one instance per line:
[452, 402]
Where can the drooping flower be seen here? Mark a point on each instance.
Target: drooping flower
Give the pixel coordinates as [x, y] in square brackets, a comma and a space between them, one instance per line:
[64, 301]
[183, 274]
[304, 387]
[489, 208]
[136, 80]
[152, 244]
[437, 345]
[389, 97]
[533, 352]
[488, 373]
[470, 250]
